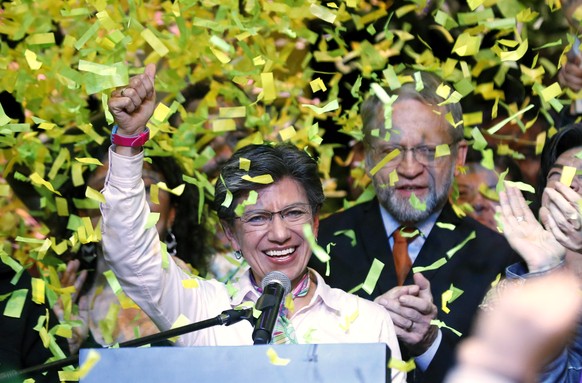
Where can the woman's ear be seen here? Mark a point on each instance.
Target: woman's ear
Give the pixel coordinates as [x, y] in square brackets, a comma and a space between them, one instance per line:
[230, 232]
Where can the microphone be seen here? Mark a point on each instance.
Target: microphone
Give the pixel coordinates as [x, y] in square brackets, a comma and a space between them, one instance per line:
[276, 285]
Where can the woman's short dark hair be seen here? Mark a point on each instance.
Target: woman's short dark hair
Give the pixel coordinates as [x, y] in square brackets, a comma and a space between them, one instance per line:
[278, 161]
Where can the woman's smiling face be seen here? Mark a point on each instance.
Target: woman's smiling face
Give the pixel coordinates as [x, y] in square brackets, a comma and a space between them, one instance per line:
[278, 244]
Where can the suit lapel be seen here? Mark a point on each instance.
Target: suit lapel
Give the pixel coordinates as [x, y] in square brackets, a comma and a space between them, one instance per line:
[439, 242]
[376, 245]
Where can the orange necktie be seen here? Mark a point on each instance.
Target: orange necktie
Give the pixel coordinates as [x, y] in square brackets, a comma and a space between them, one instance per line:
[402, 237]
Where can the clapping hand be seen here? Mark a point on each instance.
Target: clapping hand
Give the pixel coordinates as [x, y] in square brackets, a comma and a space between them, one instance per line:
[412, 309]
[525, 234]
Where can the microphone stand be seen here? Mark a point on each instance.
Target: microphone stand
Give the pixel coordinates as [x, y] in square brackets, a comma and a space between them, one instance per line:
[226, 318]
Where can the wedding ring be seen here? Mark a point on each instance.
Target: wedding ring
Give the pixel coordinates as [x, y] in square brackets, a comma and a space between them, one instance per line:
[410, 327]
[520, 218]
[123, 90]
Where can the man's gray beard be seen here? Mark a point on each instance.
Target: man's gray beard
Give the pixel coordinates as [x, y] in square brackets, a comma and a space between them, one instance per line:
[401, 209]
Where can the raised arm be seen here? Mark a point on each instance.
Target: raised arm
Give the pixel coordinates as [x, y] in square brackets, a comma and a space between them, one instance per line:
[131, 243]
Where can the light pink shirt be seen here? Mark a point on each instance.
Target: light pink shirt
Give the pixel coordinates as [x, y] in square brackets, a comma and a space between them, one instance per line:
[134, 255]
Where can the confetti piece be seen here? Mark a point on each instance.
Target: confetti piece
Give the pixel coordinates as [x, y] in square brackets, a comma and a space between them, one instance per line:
[417, 203]
[433, 266]
[442, 150]
[317, 85]
[264, 179]
[38, 290]
[401, 365]
[322, 13]
[317, 250]
[190, 283]
[331, 106]
[274, 358]
[348, 319]
[441, 324]
[112, 281]
[153, 218]
[446, 226]
[15, 303]
[92, 359]
[373, 276]
[521, 186]
[31, 59]
[502, 123]
[287, 133]
[154, 42]
[348, 233]
[454, 250]
[445, 298]
[244, 164]
[36, 179]
[269, 92]
[568, 173]
[387, 158]
[94, 195]
[232, 112]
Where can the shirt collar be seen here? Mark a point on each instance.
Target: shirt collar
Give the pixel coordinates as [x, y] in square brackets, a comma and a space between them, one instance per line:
[244, 291]
[390, 224]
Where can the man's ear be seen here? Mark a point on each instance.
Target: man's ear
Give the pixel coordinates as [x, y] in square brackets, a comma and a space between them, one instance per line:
[461, 156]
[230, 233]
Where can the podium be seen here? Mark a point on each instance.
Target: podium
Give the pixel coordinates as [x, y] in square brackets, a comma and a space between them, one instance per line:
[307, 363]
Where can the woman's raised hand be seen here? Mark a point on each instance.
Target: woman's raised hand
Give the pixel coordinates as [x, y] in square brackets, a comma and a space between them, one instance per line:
[133, 105]
[525, 234]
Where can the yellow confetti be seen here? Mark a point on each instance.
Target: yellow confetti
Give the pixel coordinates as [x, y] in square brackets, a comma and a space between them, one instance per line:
[94, 195]
[274, 358]
[568, 173]
[551, 92]
[38, 288]
[221, 56]
[33, 63]
[442, 150]
[190, 283]
[232, 112]
[401, 365]
[269, 91]
[88, 161]
[387, 158]
[467, 45]
[349, 319]
[393, 177]
[152, 219]
[161, 113]
[373, 276]
[62, 207]
[317, 85]
[322, 13]
[154, 42]
[244, 163]
[317, 250]
[330, 106]
[287, 133]
[36, 179]
[264, 179]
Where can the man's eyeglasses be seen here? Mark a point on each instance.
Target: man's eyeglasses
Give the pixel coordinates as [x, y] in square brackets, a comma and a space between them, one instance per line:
[424, 154]
[295, 214]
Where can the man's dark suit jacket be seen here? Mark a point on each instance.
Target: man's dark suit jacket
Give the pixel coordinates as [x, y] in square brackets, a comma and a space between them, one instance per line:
[472, 268]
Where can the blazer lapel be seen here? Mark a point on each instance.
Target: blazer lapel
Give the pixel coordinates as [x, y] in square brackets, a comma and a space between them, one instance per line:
[439, 242]
[376, 245]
